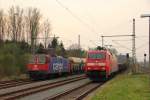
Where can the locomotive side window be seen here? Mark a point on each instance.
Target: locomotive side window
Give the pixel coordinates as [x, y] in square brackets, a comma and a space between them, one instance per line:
[96, 56]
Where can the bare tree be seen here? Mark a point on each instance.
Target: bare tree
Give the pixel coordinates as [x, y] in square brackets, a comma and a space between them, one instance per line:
[46, 30]
[33, 22]
[2, 25]
[19, 24]
[15, 23]
[73, 47]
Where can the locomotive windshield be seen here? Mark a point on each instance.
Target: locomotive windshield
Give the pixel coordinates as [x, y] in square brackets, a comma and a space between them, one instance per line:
[40, 59]
[96, 56]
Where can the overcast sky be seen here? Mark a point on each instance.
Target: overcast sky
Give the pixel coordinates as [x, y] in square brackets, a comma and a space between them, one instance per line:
[97, 17]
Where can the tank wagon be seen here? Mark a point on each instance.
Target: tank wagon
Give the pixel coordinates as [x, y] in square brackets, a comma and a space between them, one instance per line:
[43, 66]
[76, 64]
[100, 64]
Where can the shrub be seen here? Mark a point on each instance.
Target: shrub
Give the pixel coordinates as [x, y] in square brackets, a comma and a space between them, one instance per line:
[13, 60]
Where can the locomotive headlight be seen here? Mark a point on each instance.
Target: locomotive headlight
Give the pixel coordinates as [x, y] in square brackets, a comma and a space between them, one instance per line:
[89, 68]
[103, 68]
[90, 64]
[102, 64]
[96, 64]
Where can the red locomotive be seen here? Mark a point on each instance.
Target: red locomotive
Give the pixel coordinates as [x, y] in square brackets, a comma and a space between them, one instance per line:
[100, 64]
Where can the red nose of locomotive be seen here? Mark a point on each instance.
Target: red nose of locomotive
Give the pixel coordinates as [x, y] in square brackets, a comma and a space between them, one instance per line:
[38, 63]
[95, 65]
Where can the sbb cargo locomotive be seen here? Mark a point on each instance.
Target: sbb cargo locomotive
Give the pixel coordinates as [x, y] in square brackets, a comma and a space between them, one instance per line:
[100, 64]
[43, 66]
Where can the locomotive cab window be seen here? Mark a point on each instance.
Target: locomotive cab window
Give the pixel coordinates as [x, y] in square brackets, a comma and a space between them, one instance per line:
[42, 59]
[96, 56]
[39, 59]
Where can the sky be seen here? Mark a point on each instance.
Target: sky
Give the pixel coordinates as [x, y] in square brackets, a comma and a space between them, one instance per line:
[92, 18]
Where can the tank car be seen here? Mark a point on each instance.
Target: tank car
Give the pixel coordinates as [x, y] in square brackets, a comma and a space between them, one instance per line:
[76, 64]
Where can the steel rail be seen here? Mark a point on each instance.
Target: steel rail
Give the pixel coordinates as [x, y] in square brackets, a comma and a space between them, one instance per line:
[13, 84]
[68, 92]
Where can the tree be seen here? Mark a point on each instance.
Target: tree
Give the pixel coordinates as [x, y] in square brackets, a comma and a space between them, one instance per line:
[74, 47]
[114, 51]
[15, 24]
[32, 23]
[74, 50]
[100, 48]
[40, 48]
[54, 43]
[46, 30]
[2, 25]
[63, 51]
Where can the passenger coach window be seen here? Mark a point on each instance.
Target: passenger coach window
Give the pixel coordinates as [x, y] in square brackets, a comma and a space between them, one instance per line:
[96, 56]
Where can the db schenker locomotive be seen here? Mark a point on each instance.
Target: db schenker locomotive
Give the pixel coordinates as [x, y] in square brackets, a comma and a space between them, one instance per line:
[100, 64]
[46, 65]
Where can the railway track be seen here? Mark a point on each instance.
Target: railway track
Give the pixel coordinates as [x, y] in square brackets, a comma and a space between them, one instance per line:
[28, 91]
[13, 83]
[77, 93]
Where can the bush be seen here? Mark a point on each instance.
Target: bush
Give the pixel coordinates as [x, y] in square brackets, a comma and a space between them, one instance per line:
[23, 61]
[13, 60]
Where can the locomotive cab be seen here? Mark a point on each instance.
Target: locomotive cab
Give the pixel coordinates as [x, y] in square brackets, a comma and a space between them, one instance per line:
[38, 65]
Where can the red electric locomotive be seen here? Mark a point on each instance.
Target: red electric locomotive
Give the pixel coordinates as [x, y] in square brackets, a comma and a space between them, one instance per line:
[38, 66]
[100, 64]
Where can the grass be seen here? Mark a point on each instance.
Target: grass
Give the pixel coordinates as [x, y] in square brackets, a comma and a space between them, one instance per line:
[125, 87]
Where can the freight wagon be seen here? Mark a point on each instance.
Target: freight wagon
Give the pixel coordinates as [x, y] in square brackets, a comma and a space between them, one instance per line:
[76, 64]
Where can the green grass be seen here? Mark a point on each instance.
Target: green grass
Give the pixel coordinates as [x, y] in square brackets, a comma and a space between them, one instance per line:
[125, 87]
